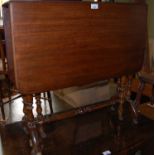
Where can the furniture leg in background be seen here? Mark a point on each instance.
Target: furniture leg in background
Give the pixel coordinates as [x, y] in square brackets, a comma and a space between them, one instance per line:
[47, 97]
[50, 101]
[146, 109]
[124, 93]
[128, 98]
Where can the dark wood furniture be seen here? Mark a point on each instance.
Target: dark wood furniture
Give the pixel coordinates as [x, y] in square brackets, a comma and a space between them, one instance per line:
[143, 84]
[11, 91]
[145, 87]
[53, 45]
[3, 74]
[3, 77]
[120, 138]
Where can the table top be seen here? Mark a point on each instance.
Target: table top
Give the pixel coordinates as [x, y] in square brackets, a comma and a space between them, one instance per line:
[54, 45]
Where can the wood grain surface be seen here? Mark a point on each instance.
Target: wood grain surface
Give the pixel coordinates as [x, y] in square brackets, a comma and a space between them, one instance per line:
[60, 44]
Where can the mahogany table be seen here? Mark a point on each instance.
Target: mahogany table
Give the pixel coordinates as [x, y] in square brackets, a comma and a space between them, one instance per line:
[57, 44]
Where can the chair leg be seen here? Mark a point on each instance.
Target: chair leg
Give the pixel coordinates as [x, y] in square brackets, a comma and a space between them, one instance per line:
[50, 101]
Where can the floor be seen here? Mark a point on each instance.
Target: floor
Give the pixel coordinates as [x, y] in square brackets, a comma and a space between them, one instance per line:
[88, 134]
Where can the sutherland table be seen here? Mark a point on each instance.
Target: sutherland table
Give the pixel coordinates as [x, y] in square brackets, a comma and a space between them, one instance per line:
[57, 44]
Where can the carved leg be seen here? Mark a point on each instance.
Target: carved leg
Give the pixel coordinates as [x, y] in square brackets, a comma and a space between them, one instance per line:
[39, 108]
[30, 124]
[39, 115]
[122, 95]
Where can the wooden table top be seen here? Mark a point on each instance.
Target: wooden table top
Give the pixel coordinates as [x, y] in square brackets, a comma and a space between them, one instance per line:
[53, 45]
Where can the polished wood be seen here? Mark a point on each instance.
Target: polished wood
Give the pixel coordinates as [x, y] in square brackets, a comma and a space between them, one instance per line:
[80, 111]
[122, 86]
[144, 79]
[27, 109]
[147, 91]
[88, 134]
[39, 109]
[30, 125]
[147, 110]
[53, 45]
[70, 44]
[3, 70]
[3, 75]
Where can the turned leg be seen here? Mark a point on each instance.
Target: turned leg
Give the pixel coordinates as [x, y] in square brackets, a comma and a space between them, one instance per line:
[40, 115]
[122, 95]
[39, 108]
[31, 124]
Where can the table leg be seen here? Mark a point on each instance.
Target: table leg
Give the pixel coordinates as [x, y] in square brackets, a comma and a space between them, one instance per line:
[40, 115]
[39, 108]
[31, 125]
[122, 95]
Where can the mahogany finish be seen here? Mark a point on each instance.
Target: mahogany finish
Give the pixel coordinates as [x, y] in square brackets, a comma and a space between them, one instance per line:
[54, 45]
[88, 134]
